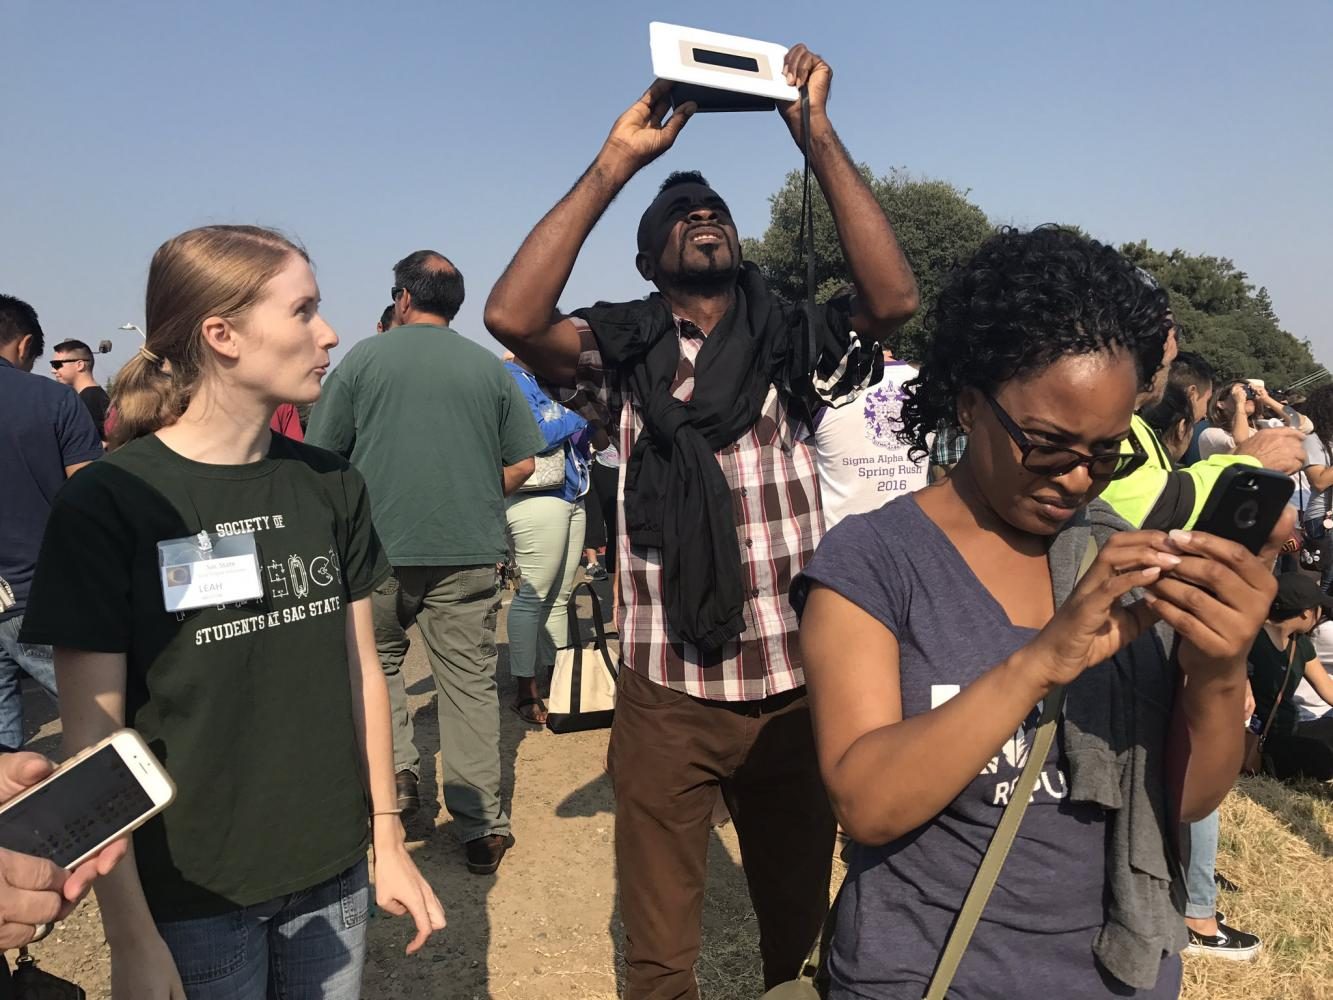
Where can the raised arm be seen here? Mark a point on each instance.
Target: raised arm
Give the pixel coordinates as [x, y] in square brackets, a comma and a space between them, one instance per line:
[521, 311]
[886, 290]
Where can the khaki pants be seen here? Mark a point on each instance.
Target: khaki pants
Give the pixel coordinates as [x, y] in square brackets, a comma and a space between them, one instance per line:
[669, 754]
[456, 608]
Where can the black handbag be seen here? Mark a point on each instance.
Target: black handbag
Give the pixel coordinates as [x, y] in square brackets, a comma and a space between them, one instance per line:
[31, 983]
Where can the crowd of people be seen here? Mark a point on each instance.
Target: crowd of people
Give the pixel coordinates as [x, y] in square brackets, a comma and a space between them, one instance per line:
[850, 593]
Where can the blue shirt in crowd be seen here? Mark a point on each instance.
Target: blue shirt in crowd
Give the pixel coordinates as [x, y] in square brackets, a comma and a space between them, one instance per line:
[44, 427]
[557, 424]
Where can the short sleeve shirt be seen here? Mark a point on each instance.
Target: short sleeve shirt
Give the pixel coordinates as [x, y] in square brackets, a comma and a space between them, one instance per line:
[430, 419]
[43, 429]
[900, 899]
[248, 706]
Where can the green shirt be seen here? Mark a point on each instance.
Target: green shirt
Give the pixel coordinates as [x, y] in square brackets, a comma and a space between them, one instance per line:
[1268, 668]
[248, 706]
[430, 419]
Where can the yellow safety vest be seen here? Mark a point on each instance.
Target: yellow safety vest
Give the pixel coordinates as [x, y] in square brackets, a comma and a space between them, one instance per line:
[1158, 495]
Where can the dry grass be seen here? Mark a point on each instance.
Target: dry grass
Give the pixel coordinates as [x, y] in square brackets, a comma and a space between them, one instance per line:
[1276, 844]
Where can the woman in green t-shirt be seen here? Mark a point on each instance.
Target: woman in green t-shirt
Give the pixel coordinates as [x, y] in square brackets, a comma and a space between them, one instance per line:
[255, 680]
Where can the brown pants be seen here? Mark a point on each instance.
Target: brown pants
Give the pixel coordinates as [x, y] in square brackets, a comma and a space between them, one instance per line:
[669, 754]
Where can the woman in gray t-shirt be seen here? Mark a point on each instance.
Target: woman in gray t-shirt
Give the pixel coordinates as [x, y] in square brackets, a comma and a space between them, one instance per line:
[930, 638]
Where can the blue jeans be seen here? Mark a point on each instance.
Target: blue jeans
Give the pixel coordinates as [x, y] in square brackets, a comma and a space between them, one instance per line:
[310, 945]
[17, 658]
[1200, 849]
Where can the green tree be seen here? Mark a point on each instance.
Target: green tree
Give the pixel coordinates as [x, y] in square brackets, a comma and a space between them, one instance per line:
[935, 223]
[1224, 317]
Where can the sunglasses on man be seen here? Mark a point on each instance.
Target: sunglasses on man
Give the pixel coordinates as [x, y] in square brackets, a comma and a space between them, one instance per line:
[58, 362]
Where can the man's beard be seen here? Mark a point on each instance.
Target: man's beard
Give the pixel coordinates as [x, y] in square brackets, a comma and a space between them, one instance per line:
[711, 278]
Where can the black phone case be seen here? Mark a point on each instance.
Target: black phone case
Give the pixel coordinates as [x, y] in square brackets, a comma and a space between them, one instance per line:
[1244, 505]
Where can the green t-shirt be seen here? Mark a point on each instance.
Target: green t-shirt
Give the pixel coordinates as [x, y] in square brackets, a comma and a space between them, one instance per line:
[248, 706]
[430, 419]
[1268, 666]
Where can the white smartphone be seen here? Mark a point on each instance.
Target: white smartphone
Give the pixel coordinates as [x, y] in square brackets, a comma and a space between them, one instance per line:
[95, 797]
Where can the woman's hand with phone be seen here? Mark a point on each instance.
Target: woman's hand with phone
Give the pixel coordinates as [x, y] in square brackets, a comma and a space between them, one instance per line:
[1093, 624]
[1217, 598]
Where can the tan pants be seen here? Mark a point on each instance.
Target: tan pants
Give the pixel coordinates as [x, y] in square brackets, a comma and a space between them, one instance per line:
[669, 754]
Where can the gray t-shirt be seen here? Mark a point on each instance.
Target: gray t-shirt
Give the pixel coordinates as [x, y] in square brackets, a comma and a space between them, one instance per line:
[899, 901]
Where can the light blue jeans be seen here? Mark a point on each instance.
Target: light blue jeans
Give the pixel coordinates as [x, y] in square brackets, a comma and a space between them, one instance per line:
[309, 945]
[1200, 861]
[548, 540]
[18, 658]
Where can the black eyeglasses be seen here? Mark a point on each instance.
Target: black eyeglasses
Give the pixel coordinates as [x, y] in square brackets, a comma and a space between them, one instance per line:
[64, 361]
[394, 292]
[1047, 460]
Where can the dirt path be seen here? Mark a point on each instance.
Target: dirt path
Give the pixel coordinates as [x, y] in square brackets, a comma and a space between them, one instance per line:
[544, 926]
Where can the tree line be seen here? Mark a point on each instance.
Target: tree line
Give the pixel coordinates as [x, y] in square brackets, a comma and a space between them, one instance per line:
[1221, 314]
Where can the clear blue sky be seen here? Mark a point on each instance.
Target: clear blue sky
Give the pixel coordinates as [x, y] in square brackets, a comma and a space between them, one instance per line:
[371, 130]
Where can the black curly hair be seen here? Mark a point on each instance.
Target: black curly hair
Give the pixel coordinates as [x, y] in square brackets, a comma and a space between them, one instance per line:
[1319, 408]
[1023, 301]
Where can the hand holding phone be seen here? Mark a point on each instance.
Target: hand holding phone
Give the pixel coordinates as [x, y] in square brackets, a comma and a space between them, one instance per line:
[36, 892]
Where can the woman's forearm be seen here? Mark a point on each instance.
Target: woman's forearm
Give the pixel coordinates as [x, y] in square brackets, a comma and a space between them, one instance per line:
[898, 777]
[370, 713]
[1206, 740]
[92, 707]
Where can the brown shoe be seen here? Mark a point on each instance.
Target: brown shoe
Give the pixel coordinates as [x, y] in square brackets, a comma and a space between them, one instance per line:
[408, 801]
[485, 853]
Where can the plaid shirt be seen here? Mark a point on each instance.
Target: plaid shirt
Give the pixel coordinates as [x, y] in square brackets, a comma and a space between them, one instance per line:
[775, 495]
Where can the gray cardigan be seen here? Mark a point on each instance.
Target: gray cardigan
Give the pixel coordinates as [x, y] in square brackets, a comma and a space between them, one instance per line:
[1115, 735]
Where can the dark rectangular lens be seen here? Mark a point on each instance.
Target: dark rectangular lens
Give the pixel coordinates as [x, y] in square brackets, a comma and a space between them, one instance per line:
[710, 58]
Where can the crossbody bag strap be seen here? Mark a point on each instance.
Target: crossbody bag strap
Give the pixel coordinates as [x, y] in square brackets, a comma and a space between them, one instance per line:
[1281, 691]
[1005, 831]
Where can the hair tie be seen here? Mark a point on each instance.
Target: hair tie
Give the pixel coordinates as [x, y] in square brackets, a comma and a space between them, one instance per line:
[149, 356]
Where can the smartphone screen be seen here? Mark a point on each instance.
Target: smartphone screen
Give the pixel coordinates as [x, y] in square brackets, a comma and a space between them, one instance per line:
[77, 810]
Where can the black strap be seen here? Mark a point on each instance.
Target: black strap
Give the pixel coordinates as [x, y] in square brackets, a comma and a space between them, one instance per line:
[807, 232]
[1292, 649]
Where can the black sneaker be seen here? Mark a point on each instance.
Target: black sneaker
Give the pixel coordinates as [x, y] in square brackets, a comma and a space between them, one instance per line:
[1226, 943]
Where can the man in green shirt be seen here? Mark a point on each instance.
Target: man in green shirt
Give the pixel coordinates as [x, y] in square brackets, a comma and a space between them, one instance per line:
[441, 434]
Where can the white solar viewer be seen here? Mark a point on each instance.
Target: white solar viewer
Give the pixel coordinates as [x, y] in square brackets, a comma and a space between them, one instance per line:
[719, 72]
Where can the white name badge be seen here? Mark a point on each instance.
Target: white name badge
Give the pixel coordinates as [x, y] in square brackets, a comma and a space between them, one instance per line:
[208, 570]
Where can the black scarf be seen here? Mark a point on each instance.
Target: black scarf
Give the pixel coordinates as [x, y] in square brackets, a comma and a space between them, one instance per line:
[676, 496]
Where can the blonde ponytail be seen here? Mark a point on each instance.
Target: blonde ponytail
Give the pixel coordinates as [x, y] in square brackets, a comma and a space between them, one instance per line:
[210, 271]
[145, 397]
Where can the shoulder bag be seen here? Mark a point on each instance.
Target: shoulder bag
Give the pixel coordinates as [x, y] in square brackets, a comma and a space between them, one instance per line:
[583, 686]
[549, 473]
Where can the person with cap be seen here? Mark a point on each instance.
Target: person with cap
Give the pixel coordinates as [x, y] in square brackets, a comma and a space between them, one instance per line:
[1293, 746]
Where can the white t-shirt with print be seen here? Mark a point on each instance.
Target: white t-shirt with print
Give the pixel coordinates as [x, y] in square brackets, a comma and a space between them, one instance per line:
[861, 463]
